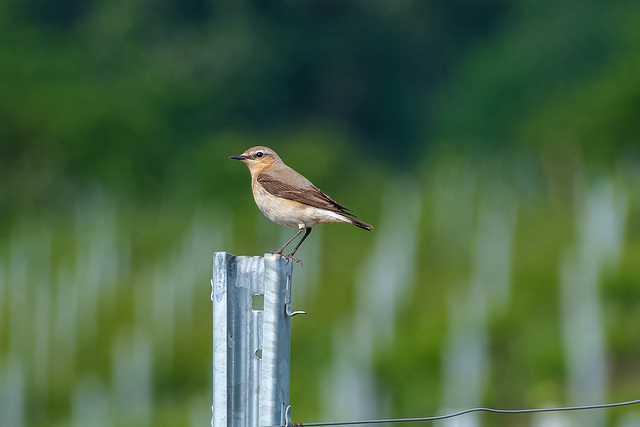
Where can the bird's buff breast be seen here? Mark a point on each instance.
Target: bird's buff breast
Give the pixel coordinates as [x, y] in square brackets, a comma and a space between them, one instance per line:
[292, 214]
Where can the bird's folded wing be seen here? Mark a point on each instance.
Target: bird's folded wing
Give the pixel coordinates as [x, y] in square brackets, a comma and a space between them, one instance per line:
[308, 194]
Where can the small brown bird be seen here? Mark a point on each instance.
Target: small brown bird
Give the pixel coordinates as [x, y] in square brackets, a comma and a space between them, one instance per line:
[288, 198]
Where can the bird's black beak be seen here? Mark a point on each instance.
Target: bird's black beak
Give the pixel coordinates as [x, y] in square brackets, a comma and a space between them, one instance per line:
[237, 157]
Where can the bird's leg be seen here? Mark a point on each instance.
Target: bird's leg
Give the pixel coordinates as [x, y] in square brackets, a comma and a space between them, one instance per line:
[307, 232]
[279, 251]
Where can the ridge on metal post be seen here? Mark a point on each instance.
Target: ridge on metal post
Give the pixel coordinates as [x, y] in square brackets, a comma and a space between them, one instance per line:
[251, 340]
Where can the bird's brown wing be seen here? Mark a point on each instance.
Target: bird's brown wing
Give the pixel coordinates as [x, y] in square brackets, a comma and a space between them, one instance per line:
[307, 194]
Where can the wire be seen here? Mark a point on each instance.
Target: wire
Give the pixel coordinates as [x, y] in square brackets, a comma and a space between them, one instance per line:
[467, 411]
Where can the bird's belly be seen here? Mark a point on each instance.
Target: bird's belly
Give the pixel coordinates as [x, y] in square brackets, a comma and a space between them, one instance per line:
[293, 214]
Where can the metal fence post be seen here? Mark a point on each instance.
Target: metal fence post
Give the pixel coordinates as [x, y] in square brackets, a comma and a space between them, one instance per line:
[251, 340]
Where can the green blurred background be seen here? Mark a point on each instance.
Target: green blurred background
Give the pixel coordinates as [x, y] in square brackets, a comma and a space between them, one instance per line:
[495, 147]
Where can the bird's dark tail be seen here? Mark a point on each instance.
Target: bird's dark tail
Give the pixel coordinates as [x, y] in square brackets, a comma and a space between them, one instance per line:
[361, 224]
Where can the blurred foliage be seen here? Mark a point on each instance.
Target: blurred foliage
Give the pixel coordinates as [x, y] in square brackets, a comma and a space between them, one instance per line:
[566, 78]
[128, 93]
[142, 102]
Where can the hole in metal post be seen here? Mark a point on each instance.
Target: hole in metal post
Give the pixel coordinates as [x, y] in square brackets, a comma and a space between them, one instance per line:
[259, 353]
[258, 302]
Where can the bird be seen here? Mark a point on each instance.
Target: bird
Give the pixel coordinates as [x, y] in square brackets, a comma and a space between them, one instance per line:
[289, 199]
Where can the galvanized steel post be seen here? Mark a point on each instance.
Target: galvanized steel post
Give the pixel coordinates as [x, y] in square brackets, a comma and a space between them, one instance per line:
[251, 340]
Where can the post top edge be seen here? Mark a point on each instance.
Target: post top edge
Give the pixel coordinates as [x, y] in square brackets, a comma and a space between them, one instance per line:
[269, 256]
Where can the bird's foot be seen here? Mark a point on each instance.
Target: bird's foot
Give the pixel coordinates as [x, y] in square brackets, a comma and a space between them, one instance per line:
[290, 256]
[287, 257]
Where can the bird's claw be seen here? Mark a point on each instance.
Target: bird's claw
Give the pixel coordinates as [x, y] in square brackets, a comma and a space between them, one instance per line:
[290, 256]
[287, 257]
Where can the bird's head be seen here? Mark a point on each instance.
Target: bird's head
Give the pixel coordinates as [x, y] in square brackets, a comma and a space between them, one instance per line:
[258, 158]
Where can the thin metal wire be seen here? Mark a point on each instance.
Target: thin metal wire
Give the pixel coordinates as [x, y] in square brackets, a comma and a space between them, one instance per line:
[466, 411]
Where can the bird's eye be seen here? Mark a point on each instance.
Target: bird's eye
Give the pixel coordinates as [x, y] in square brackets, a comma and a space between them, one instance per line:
[259, 154]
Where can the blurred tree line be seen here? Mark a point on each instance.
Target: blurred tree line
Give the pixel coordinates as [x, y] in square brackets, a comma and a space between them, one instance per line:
[142, 96]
